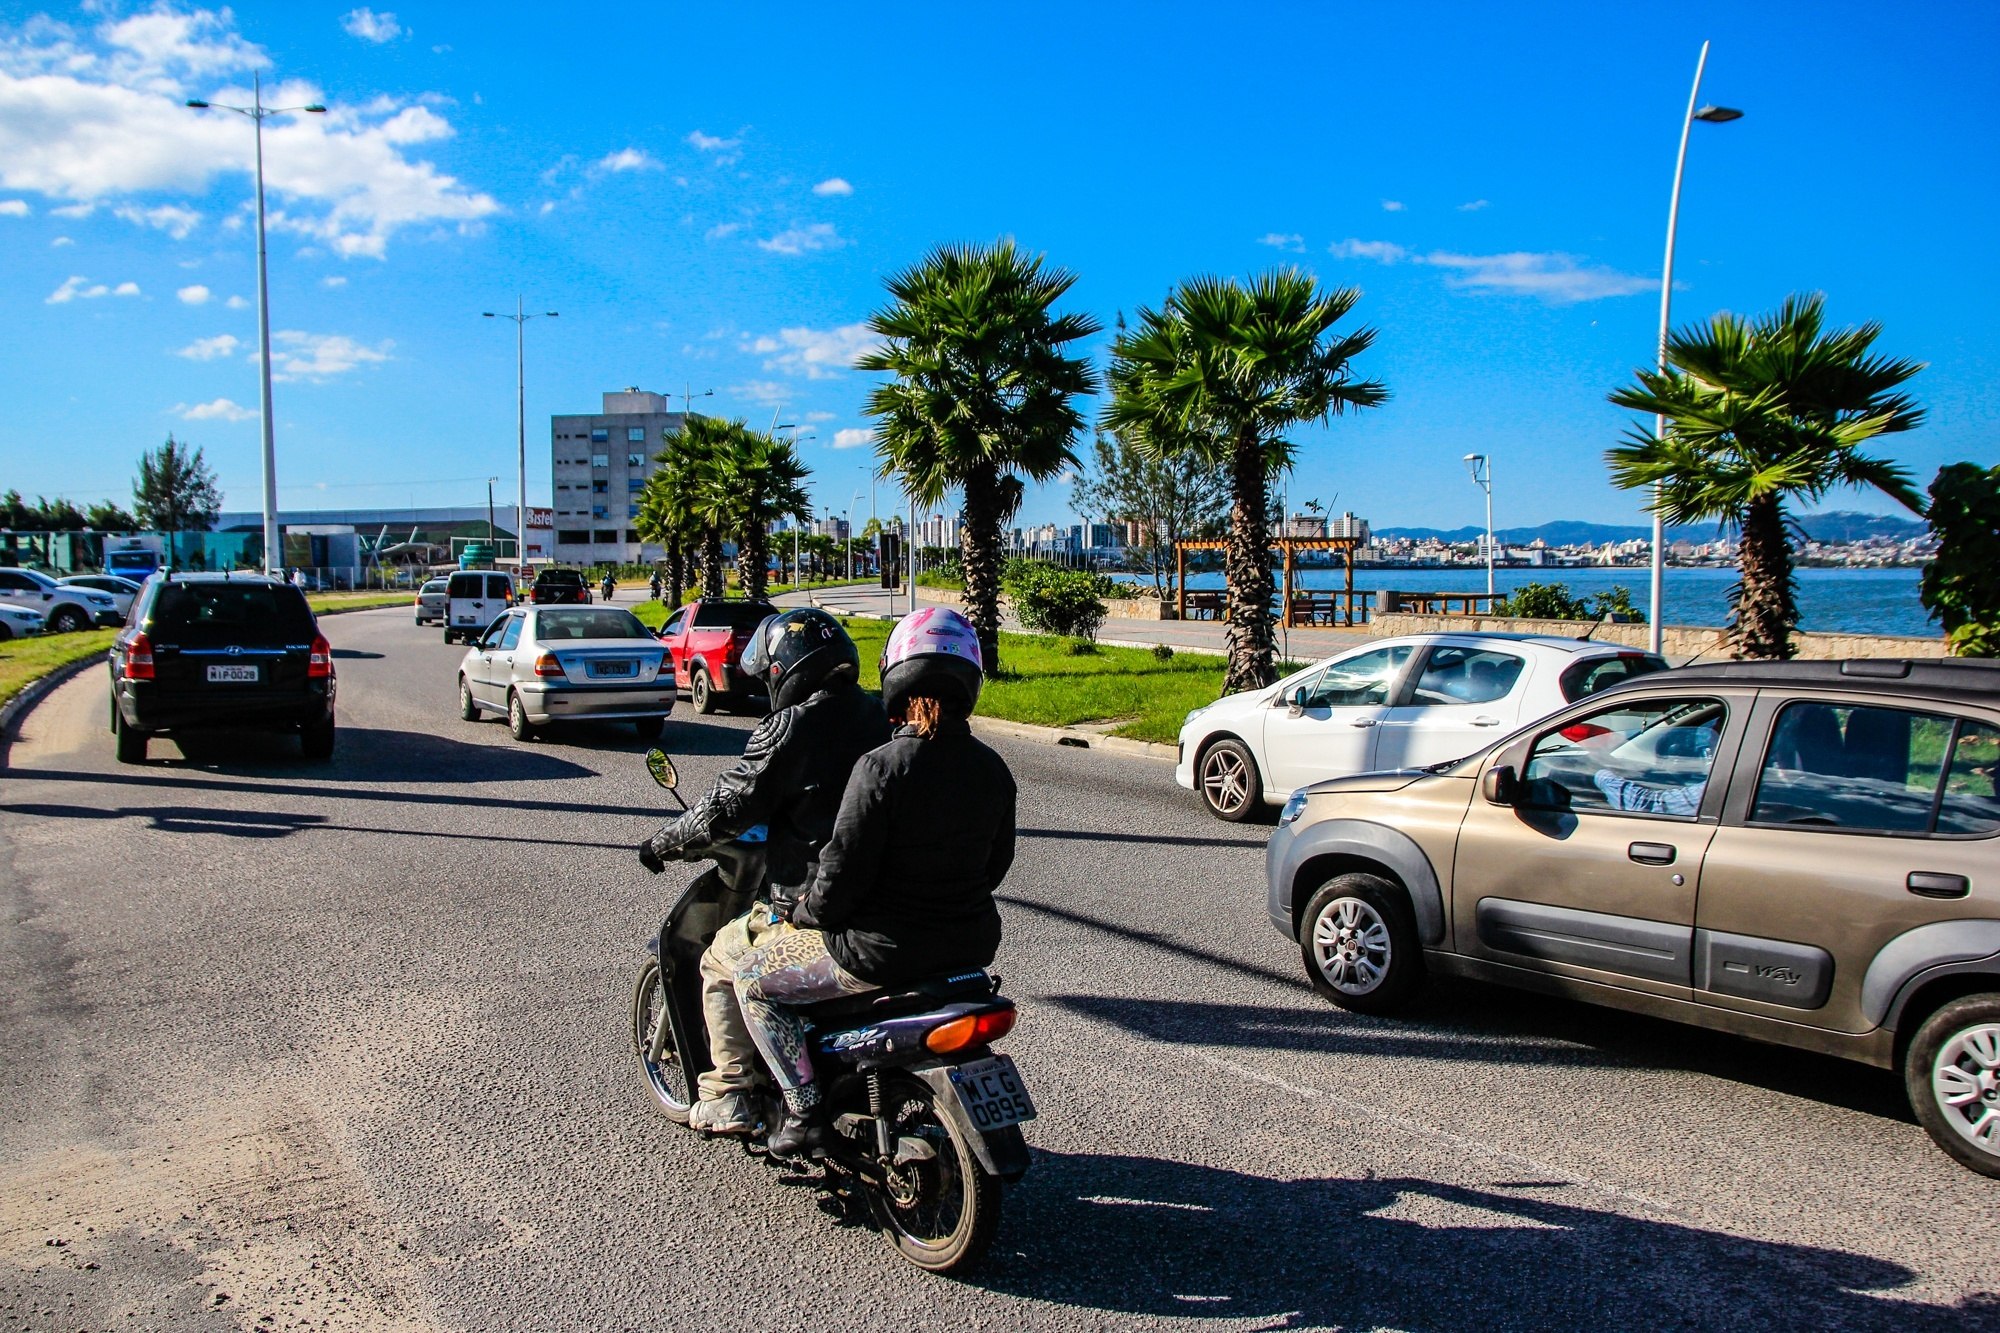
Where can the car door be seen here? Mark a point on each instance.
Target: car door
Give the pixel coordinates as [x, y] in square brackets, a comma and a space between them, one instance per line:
[1854, 820]
[1589, 866]
[1461, 697]
[671, 634]
[1325, 726]
[488, 672]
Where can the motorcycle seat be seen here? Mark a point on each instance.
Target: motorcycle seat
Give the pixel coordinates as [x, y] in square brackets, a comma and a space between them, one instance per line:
[929, 993]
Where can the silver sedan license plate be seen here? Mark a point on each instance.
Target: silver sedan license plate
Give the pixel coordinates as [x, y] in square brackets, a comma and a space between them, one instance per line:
[243, 675]
[621, 668]
[992, 1093]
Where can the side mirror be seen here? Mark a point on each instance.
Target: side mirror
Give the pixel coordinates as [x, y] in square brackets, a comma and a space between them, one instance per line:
[662, 768]
[1295, 700]
[1501, 785]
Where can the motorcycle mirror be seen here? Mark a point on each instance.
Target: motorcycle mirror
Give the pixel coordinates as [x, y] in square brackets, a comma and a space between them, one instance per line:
[662, 768]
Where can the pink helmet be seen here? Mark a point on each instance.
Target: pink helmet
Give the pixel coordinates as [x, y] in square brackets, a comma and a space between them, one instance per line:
[934, 651]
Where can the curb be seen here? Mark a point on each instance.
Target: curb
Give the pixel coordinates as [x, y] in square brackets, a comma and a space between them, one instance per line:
[1077, 739]
[32, 694]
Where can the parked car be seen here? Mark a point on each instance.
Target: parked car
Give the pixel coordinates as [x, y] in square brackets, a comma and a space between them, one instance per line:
[474, 599]
[432, 602]
[64, 608]
[559, 587]
[221, 650]
[1397, 703]
[1800, 853]
[541, 664]
[19, 621]
[706, 640]
[121, 591]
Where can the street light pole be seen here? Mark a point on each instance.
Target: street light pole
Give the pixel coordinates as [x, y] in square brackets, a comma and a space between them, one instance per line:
[1714, 115]
[489, 511]
[520, 319]
[258, 112]
[1481, 467]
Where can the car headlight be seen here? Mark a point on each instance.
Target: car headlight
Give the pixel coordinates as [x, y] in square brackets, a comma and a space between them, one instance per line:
[1194, 713]
[1294, 807]
[98, 599]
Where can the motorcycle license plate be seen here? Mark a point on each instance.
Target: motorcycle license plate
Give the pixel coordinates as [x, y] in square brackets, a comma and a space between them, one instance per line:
[992, 1093]
[242, 674]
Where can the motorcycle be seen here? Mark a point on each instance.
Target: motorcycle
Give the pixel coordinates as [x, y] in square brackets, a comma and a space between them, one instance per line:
[926, 1116]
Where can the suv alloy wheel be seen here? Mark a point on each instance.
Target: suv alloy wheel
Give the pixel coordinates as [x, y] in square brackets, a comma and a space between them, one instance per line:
[1952, 1074]
[1360, 944]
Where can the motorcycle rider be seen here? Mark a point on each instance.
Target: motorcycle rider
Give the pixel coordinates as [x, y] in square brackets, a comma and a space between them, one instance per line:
[610, 586]
[904, 888]
[789, 779]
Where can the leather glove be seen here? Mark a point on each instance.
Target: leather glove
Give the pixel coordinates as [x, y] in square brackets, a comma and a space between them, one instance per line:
[650, 858]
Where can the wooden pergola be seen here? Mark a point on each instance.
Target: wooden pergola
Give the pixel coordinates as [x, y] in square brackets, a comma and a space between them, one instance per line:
[1286, 546]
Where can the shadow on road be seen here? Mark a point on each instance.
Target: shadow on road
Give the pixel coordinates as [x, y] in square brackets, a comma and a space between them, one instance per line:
[1149, 1237]
[370, 754]
[262, 824]
[355, 655]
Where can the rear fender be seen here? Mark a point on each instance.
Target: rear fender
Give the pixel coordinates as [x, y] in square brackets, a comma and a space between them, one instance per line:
[1002, 1153]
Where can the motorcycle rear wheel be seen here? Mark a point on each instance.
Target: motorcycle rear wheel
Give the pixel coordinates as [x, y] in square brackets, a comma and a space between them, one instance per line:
[940, 1213]
[666, 1077]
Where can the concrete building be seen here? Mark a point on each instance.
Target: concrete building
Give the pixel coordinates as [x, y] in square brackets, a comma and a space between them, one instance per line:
[1347, 525]
[599, 464]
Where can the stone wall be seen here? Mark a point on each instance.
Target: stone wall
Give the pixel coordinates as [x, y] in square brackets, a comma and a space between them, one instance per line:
[1116, 608]
[1677, 641]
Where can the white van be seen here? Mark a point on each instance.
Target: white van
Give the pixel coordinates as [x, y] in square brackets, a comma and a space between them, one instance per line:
[474, 599]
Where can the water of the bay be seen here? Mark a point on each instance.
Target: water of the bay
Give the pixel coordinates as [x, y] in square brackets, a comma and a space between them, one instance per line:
[1852, 601]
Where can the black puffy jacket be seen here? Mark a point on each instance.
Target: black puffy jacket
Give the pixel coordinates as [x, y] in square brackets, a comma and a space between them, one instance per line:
[790, 779]
[925, 835]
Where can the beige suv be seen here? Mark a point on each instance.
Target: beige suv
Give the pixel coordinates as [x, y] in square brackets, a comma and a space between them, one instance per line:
[1803, 853]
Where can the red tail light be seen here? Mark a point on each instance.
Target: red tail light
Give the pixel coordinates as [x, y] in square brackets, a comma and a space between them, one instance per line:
[547, 665]
[319, 664]
[139, 658]
[977, 1029]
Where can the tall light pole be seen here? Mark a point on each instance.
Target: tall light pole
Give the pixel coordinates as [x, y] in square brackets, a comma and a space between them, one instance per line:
[520, 319]
[489, 517]
[1481, 468]
[258, 112]
[1714, 115]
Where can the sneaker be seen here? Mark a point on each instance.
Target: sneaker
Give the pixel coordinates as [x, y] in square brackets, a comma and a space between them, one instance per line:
[732, 1113]
[800, 1135]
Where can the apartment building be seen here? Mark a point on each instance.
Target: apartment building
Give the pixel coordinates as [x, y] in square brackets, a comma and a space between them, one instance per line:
[599, 464]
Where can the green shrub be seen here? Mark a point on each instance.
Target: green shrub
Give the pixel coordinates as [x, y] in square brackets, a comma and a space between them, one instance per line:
[1544, 601]
[1617, 602]
[1080, 648]
[1163, 652]
[1962, 583]
[1053, 600]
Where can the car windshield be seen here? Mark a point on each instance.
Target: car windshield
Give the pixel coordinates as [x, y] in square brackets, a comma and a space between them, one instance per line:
[589, 623]
[43, 579]
[732, 615]
[207, 614]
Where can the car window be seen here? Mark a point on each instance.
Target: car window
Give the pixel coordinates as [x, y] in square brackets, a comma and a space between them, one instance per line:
[1357, 681]
[1455, 675]
[510, 635]
[1582, 679]
[589, 623]
[732, 615]
[1834, 766]
[39, 580]
[205, 614]
[491, 638]
[435, 586]
[15, 583]
[1971, 801]
[1640, 756]
[468, 585]
[499, 586]
[673, 625]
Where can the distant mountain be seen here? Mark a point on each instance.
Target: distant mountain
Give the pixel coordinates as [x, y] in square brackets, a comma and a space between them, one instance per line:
[1838, 526]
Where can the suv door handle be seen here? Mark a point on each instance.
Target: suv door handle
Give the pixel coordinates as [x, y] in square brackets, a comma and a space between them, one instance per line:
[1485, 721]
[1362, 722]
[1929, 884]
[1652, 853]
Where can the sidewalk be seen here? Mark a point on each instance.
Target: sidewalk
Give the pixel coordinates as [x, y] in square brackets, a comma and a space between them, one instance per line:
[1200, 636]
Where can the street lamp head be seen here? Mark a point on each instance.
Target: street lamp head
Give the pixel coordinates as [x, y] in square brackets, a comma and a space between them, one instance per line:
[197, 104]
[1717, 115]
[552, 314]
[487, 314]
[1475, 458]
[314, 108]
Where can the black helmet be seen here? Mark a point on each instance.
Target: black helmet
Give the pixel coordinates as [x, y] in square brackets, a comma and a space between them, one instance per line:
[799, 652]
[935, 652]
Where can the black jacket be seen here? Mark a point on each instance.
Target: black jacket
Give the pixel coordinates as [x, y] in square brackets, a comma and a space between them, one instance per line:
[790, 779]
[925, 835]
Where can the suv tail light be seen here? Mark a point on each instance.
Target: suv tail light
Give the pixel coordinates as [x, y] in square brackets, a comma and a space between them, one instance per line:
[989, 1025]
[319, 664]
[139, 658]
[547, 665]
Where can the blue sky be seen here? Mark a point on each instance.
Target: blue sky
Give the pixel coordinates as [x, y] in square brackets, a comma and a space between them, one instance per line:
[711, 196]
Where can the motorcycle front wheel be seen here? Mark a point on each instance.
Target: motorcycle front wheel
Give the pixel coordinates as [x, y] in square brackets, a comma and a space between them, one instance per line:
[937, 1209]
[653, 1043]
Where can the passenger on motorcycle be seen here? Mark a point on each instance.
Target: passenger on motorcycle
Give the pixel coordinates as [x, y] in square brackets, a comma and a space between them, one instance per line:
[789, 779]
[904, 888]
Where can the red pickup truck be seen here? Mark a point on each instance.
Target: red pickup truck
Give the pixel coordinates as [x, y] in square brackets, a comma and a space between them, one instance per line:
[706, 642]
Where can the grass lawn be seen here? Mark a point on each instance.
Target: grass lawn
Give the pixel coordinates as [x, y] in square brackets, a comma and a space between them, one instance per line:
[357, 601]
[24, 661]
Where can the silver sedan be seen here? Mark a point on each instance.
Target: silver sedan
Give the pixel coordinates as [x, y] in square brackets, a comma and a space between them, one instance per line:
[543, 664]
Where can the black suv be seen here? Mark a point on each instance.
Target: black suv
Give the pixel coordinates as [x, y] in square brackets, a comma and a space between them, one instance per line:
[221, 650]
[559, 587]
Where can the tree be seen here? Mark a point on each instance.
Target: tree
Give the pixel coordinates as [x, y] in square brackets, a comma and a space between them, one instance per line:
[1758, 413]
[689, 500]
[1220, 373]
[766, 482]
[175, 492]
[981, 396]
[1962, 584]
[1171, 499]
[106, 516]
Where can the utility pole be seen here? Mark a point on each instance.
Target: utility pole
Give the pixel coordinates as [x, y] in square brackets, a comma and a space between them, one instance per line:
[520, 319]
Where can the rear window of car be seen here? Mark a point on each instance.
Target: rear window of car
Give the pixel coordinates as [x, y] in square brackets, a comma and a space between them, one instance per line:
[1583, 679]
[435, 585]
[213, 614]
[589, 623]
[732, 615]
[558, 578]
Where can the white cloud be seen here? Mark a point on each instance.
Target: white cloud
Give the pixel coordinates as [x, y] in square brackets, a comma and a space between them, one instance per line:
[833, 185]
[804, 240]
[1555, 278]
[1472, 207]
[1392, 205]
[769, 393]
[208, 349]
[1283, 241]
[195, 295]
[237, 303]
[818, 354]
[62, 240]
[819, 416]
[172, 219]
[221, 409]
[320, 356]
[723, 229]
[13, 208]
[370, 26]
[82, 289]
[1382, 252]
[629, 159]
[88, 117]
[708, 143]
[333, 280]
[852, 439]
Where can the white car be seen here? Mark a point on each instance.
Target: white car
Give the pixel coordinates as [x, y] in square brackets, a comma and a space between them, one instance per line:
[119, 590]
[1397, 703]
[65, 608]
[18, 622]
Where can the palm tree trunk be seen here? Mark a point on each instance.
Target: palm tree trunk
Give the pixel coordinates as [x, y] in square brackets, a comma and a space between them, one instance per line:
[676, 573]
[714, 579]
[753, 559]
[1247, 567]
[1766, 598]
[979, 552]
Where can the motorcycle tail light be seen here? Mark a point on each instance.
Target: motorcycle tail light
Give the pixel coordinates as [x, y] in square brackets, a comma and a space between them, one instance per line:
[319, 664]
[139, 658]
[547, 665]
[972, 1030]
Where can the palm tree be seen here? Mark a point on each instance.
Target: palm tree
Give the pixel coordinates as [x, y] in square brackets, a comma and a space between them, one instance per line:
[767, 479]
[689, 501]
[1758, 413]
[1222, 372]
[981, 396]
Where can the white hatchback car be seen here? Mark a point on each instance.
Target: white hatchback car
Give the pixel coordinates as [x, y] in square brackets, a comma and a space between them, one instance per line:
[1396, 703]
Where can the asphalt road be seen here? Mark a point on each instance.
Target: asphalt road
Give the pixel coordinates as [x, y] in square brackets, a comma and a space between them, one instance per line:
[345, 1047]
